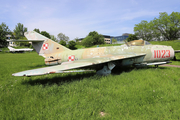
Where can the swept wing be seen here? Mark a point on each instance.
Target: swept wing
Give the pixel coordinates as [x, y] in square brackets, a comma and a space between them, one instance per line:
[76, 64]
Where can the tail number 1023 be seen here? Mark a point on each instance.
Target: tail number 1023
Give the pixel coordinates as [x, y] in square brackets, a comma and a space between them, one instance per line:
[162, 53]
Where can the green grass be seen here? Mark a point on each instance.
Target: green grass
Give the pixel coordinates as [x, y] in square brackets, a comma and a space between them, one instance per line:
[128, 93]
[175, 44]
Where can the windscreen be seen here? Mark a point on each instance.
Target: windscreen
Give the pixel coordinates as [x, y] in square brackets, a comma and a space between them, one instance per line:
[147, 43]
[136, 43]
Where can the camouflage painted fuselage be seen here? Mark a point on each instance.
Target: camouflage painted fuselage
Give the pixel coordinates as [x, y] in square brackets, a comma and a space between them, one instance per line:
[154, 53]
[103, 59]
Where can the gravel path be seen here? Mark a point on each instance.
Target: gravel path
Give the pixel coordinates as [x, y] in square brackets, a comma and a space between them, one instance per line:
[171, 65]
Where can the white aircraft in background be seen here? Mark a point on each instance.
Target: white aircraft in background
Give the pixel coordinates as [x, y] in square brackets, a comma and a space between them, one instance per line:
[19, 50]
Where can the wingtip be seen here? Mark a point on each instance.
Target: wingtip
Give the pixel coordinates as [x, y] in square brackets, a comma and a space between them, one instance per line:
[15, 74]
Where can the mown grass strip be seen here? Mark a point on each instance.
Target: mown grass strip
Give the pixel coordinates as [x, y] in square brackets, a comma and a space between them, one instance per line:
[128, 93]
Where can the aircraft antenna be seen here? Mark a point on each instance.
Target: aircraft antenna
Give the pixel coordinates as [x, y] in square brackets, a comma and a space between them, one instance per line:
[126, 43]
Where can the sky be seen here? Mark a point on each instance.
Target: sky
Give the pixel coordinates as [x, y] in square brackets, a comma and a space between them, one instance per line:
[76, 18]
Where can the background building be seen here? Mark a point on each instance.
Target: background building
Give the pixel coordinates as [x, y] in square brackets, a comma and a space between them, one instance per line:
[12, 44]
[120, 39]
[108, 39]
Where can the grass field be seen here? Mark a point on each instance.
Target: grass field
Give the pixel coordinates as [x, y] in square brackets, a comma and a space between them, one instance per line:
[128, 93]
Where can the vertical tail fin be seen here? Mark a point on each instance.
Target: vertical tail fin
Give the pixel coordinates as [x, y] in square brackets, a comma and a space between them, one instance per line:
[44, 45]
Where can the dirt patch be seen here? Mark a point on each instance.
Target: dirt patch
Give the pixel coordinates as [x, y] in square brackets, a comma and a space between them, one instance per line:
[102, 114]
[166, 65]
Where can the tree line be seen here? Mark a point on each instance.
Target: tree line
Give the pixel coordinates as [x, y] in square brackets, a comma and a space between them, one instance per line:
[61, 39]
[165, 27]
[18, 34]
[91, 39]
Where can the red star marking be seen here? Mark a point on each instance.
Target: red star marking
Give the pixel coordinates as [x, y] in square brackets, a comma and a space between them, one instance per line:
[71, 58]
[45, 46]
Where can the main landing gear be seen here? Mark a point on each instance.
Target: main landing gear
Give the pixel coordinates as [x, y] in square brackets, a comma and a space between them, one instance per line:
[156, 66]
[106, 69]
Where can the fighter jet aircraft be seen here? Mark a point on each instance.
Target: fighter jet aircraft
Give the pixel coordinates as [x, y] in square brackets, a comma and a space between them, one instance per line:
[102, 59]
[13, 50]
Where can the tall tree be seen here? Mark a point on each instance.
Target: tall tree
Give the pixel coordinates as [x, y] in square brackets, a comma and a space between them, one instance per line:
[20, 30]
[63, 37]
[87, 41]
[54, 38]
[144, 30]
[93, 38]
[76, 39]
[37, 30]
[62, 42]
[168, 25]
[132, 37]
[4, 30]
[97, 38]
[46, 34]
[71, 45]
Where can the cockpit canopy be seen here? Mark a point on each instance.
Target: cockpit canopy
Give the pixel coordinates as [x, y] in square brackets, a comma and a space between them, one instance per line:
[138, 43]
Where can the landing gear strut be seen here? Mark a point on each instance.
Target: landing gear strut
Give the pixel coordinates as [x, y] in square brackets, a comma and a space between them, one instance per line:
[106, 69]
[156, 66]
